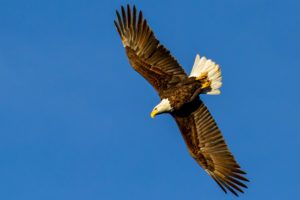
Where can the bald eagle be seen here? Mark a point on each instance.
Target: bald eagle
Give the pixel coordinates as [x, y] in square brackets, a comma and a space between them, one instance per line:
[179, 94]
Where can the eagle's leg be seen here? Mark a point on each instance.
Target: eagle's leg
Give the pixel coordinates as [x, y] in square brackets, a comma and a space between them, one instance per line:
[203, 76]
[206, 84]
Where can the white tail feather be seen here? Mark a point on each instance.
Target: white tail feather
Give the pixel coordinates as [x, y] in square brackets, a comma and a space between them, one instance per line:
[203, 66]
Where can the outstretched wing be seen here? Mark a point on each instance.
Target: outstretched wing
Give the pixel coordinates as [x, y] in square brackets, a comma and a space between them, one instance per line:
[146, 55]
[207, 146]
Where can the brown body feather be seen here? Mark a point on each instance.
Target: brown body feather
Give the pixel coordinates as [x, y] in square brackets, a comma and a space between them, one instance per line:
[203, 138]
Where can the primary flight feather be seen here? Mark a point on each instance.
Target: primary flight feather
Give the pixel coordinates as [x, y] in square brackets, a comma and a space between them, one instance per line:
[179, 95]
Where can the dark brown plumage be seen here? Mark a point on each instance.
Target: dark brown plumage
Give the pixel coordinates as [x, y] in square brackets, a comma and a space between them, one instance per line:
[203, 138]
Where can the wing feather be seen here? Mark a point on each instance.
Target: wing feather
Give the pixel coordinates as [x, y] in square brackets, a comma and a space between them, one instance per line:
[145, 53]
[208, 147]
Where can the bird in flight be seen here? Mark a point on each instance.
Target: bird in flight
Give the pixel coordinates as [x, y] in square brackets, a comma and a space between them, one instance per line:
[179, 94]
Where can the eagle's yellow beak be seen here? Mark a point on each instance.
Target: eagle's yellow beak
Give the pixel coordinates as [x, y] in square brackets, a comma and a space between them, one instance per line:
[154, 112]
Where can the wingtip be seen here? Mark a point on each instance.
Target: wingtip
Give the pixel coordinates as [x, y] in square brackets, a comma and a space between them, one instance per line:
[123, 10]
[117, 13]
[128, 9]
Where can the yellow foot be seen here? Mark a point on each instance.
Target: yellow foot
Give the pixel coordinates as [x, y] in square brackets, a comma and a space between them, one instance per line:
[206, 84]
[202, 76]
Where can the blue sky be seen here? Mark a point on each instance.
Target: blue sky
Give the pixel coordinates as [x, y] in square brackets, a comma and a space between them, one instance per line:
[75, 117]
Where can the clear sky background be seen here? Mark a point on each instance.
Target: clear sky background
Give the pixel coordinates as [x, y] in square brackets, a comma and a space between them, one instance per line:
[75, 117]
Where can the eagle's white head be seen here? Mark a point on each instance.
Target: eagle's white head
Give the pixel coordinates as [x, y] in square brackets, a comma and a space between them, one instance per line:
[163, 107]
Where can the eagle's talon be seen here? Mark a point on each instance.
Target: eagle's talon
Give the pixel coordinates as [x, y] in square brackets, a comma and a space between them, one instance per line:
[206, 84]
[202, 76]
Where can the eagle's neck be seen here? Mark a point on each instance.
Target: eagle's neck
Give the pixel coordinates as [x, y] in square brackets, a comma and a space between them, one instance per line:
[164, 106]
